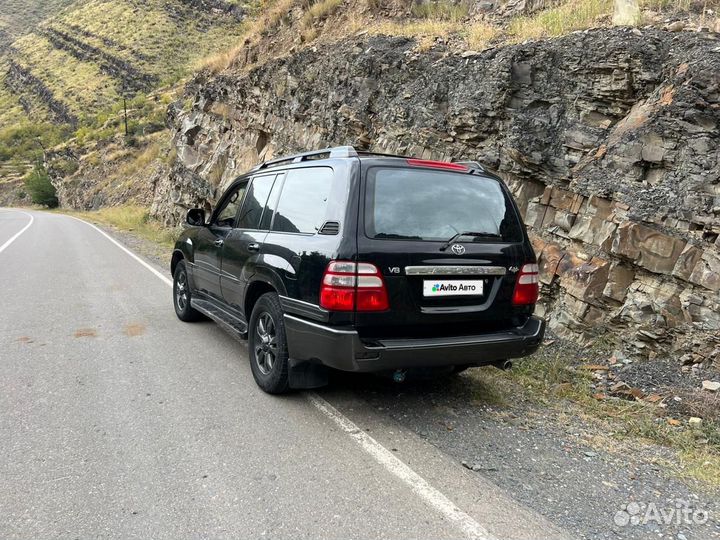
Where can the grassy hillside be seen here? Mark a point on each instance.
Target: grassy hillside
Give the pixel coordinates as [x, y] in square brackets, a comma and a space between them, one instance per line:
[20, 16]
[66, 65]
[69, 60]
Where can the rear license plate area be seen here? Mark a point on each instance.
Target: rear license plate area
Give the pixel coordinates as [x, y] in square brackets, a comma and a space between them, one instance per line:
[439, 288]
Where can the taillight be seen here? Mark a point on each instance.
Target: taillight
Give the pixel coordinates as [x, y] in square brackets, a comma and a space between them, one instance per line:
[438, 164]
[527, 286]
[347, 286]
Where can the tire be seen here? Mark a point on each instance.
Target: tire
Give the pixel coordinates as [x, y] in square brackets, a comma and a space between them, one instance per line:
[267, 345]
[181, 295]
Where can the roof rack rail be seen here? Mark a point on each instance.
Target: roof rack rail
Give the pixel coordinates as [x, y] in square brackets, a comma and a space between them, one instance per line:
[383, 154]
[325, 153]
[471, 165]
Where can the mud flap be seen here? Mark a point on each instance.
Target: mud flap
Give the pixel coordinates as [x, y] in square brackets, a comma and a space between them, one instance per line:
[306, 375]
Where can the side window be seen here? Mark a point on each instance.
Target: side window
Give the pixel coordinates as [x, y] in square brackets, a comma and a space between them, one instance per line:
[229, 209]
[303, 201]
[255, 201]
[267, 216]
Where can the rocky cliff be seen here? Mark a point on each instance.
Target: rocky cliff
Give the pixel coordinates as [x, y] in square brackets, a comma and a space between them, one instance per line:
[609, 140]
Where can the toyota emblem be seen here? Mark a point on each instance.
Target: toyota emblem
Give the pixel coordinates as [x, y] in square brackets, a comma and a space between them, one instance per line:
[457, 249]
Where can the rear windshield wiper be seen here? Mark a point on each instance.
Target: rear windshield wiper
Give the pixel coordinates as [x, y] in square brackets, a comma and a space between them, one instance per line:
[469, 233]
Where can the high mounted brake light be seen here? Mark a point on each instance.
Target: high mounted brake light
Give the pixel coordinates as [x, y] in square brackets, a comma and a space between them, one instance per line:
[437, 165]
[347, 286]
[527, 285]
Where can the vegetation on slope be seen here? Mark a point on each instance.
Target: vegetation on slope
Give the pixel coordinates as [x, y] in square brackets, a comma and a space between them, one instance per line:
[20, 16]
[69, 65]
[92, 53]
[71, 69]
[40, 188]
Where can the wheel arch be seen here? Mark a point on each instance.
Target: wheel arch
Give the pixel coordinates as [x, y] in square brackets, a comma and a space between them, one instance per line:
[177, 256]
[254, 291]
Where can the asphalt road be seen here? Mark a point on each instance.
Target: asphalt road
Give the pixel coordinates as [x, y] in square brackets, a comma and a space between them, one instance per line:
[119, 421]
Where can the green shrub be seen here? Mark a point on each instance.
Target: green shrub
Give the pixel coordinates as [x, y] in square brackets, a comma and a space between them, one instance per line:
[25, 141]
[66, 166]
[40, 188]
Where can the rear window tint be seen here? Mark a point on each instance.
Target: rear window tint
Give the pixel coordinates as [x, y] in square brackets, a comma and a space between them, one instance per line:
[433, 205]
[303, 201]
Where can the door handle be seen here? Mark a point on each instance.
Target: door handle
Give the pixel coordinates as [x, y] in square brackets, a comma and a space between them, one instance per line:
[219, 242]
[253, 246]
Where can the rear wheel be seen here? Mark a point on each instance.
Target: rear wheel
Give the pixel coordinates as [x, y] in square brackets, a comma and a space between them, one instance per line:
[267, 345]
[181, 295]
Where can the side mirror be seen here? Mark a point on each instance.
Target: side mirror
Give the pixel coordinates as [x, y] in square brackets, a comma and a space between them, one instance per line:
[196, 217]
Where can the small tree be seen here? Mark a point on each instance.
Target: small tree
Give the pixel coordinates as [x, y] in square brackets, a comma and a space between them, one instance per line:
[627, 13]
[40, 188]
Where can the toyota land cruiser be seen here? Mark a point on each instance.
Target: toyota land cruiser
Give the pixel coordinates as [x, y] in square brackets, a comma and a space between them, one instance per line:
[362, 262]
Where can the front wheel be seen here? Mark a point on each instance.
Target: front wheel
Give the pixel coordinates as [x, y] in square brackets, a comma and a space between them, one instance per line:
[181, 295]
[267, 345]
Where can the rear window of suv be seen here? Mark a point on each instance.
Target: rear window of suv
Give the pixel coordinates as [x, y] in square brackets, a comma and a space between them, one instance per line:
[434, 205]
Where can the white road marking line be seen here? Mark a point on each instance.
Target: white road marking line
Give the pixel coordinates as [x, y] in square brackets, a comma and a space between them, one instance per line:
[164, 278]
[434, 498]
[15, 237]
[431, 496]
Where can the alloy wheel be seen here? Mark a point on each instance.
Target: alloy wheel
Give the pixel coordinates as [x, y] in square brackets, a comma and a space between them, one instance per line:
[181, 291]
[266, 343]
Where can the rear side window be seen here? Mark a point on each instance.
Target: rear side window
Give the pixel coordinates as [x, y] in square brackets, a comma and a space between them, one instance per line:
[272, 201]
[257, 196]
[435, 205]
[303, 201]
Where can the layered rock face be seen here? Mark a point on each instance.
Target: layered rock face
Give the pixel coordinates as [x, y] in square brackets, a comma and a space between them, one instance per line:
[609, 140]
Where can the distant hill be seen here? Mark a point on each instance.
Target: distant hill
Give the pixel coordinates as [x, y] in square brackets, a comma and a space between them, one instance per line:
[67, 60]
[20, 16]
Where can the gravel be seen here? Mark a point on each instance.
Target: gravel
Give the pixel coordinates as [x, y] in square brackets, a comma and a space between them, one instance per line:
[544, 460]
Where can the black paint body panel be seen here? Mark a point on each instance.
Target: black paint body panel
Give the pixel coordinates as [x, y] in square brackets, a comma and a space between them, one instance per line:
[414, 331]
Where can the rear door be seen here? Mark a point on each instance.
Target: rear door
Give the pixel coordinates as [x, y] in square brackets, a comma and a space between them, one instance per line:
[244, 244]
[437, 285]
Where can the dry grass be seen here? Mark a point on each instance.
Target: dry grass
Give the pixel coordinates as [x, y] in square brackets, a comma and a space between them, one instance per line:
[700, 403]
[443, 10]
[425, 32]
[480, 34]
[115, 153]
[676, 5]
[218, 62]
[319, 11]
[554, 384]
[149, 154]
[439, 19]
[566, 18]
[272, 14]
[135, 219]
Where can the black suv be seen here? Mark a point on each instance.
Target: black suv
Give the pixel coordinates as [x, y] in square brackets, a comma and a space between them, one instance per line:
[362, 262]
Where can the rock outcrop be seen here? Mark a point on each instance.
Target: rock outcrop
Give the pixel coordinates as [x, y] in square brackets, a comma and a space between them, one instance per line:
[609, 139]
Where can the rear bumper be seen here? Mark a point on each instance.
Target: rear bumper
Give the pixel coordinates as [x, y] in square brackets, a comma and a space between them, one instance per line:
[344, 350]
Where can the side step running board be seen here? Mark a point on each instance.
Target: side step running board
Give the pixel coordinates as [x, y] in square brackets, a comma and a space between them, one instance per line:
[232, 324]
